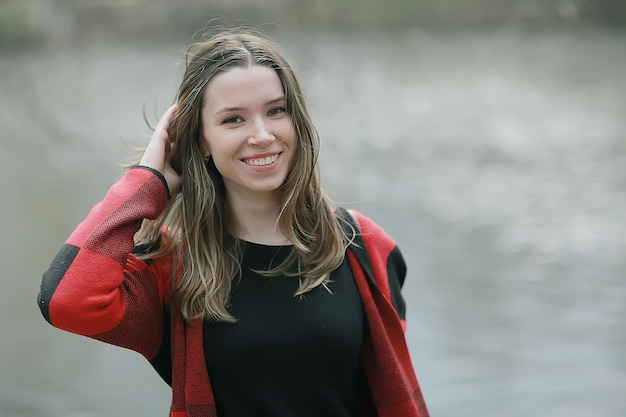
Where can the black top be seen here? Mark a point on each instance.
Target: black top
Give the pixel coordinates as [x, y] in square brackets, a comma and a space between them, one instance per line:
[287, 356]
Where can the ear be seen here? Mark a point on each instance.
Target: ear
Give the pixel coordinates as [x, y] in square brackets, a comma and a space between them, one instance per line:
[204, 150]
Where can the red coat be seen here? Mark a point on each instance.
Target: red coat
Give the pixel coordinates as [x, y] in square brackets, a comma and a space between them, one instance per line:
[96, 287]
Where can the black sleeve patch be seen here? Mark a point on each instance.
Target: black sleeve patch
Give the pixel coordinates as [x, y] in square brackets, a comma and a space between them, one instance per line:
[162, 362]
[396, 272]
[53, 276]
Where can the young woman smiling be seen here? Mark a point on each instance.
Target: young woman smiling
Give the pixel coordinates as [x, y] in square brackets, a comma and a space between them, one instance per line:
[220, 259]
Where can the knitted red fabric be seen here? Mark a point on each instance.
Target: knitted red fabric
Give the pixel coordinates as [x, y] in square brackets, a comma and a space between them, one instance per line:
[97, 288]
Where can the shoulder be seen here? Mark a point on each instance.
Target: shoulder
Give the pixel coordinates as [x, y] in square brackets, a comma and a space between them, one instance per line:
[385, 258]
[376, 238]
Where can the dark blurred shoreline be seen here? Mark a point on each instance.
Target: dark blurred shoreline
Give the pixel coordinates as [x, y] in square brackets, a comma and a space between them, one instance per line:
[66, 21]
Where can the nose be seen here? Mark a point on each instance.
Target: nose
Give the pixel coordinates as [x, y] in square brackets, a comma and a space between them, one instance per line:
[261, 135]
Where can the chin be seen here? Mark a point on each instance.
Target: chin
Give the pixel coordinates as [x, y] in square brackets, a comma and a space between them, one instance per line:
[269, 188]
[264, 187]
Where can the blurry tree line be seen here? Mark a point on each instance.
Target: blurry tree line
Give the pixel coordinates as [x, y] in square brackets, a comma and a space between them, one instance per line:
[22, 20]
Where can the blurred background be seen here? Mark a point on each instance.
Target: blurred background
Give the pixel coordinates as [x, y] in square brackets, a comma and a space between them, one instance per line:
[487, 136]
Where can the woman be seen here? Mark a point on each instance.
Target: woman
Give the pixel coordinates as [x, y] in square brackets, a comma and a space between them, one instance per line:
[221, 260]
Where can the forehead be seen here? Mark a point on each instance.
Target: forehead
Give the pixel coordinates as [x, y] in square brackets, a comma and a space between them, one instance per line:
[241, 85]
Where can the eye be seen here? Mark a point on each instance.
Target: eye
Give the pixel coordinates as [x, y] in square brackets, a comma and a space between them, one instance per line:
[232, 119]
[276, 111]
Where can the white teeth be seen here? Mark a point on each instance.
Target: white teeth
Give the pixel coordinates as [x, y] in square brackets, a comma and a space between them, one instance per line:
[261, 161]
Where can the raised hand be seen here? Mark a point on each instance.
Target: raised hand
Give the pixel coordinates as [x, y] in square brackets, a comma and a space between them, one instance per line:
[160, 151]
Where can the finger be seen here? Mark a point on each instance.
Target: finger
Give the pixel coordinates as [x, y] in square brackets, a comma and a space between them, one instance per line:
[164, 123]
[157, 150]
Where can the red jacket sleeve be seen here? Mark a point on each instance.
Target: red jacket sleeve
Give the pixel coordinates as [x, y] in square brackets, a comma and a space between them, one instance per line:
[388, 264]
[95, 286]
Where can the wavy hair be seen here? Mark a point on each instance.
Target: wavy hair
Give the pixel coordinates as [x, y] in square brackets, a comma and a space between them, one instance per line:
[206, 255]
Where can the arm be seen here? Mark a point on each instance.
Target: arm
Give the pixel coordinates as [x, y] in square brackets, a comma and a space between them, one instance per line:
[94, 286]
[389, 267]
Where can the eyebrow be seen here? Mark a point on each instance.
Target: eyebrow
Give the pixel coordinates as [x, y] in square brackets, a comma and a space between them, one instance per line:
[229, 109]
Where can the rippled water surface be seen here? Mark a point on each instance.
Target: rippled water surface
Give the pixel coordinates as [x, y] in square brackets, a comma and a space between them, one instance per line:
[497, 160]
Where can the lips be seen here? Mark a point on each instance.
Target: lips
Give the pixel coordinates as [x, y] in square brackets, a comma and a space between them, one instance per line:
[261, 161]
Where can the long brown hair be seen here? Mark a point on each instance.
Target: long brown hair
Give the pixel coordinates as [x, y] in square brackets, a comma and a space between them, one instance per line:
[199, 219]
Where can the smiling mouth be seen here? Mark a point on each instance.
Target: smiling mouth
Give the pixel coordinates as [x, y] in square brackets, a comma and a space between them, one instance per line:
[261, 161]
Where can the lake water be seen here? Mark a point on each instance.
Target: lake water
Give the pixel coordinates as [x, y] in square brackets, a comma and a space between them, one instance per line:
[496, 159]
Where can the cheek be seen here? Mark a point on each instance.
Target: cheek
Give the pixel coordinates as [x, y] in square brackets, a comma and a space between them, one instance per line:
[288, 133]
[294, 150]
[222, 164]
[222, 148]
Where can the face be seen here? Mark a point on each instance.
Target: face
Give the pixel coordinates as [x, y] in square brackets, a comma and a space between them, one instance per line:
[247, 131]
